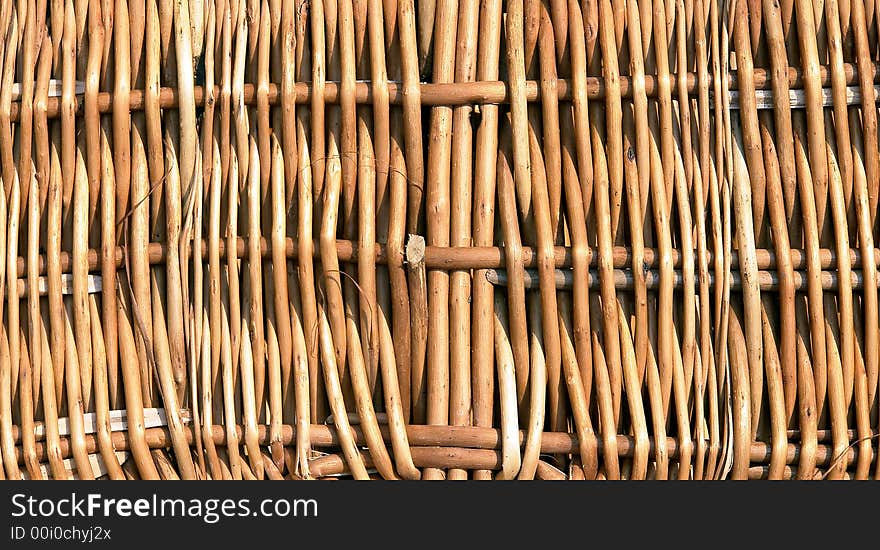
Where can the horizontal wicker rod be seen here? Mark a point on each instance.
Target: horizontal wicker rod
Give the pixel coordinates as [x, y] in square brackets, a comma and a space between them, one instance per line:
[825, 435]
[478, 459]
[423, 457]
[623, 279]
[459, 93]
[382, 418]
[493, 257]
[762, 472]
[452, 258]
[469, 437]
[767, 280]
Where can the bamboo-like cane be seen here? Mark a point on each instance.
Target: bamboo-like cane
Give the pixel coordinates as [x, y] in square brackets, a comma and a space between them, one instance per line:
[507, 393]
[418, 300]
[334, 396]
[29, 372]
[12, 471]
[482, 334]
[537, 397]
[460, 227]
[506, 197]
[437, 205]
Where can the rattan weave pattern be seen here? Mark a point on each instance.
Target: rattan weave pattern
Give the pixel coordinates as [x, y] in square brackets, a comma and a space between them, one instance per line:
[439, 239]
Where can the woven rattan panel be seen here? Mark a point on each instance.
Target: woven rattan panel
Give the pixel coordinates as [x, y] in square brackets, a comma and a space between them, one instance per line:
[438, 239]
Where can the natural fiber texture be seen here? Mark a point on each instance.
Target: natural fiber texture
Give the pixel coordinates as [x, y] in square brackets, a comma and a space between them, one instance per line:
[439, 239]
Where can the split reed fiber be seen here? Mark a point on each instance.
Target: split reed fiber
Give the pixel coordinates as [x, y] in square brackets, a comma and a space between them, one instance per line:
[439, 239]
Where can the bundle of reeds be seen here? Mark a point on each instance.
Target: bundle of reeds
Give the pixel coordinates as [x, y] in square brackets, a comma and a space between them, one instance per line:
[439, 239]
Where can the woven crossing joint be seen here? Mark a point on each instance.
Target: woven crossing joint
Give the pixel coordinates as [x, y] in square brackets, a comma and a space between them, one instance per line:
[444, 239]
